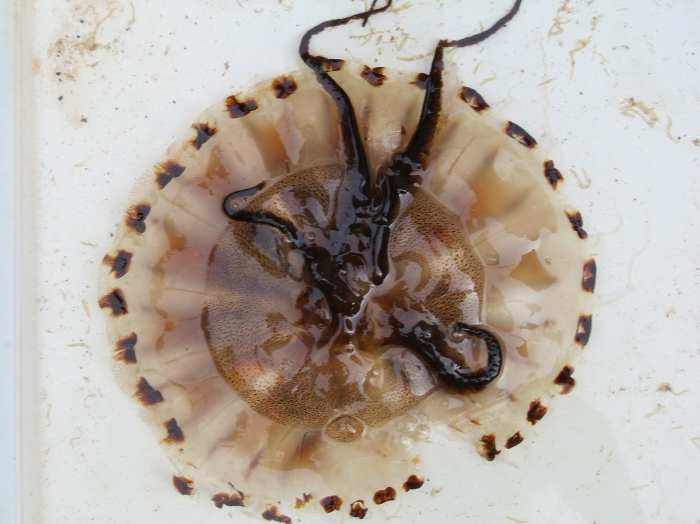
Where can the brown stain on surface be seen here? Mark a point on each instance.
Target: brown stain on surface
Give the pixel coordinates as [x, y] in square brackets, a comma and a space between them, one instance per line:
[237, 109]
[136, 215]
[120, 263]
[183, 485]
[552, 174]
[384, 495]
[518, 133]
[536, 412]
[175, 434]
[284, 86]
[115, 301]
[374, 75]
[515, 439]
[147, 394]
[358, 509]
[274, 515]
[488, 447]
[576, 221]
[331, 504]
[474, 99]
[413, 482]
[583, 331]
[303, 501]
[589, 274]
[565, 380]
[166, 171]
[204, 133]
[421, 80]
[126, 349]
[227, 499]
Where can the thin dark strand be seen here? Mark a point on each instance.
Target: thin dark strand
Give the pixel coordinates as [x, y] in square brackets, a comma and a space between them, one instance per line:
[480, 37]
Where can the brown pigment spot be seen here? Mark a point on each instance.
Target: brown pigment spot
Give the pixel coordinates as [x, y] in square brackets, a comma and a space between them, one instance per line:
[136, 215]
[488, 447]
[147, 394]
[175, 434]
[374, 75]
[552, 174]
[204, 133]
[303, 501]
[358, 509]
[121, 262]
[333, 64]
[583, 332]
[588, 280]
[274, 515]
[577, 223]
[413, 482]
[332, 503]
[474, 99]
[514, 440]
[536, 412]
[226, 499]
[421, 80]
[565, 380]
[126, 349]
[183, 485]
[166, 171]
[284, 86]
[238, 109]
[518, 133]
[115, 301]
[384, 495]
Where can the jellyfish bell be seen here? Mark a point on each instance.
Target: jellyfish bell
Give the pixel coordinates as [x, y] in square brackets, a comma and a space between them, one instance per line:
[301, 292]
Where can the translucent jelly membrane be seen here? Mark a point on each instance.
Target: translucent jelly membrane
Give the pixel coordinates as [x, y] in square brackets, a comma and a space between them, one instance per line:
[507, 227]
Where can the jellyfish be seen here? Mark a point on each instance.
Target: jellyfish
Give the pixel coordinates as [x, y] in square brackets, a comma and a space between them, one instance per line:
[332, 266]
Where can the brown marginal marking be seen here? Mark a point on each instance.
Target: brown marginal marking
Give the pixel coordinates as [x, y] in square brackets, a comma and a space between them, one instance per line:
[384, 495]
[204, 133]
[488, 447]
[474, 99]
[358, 509]
[126, 349]
[115, 301]
[331, 504]
[588, 280]
[577, 223]
[166, 171]
[136, 215]
[518, 133]
[413, 482]
[583, 331]
[514, 440]
[175, 434]
[536, 412]
[303, 501]
[421, 80]
[238, 109]
[374, 75]
[121, 262]
[333, 64]
[183, 485]
[552, 174]
[565, 380]
[274, 515]
[284, 86]
[227, 499]
[147, 394]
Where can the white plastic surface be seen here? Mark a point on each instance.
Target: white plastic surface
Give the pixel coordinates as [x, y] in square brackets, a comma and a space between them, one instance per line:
[608, 89]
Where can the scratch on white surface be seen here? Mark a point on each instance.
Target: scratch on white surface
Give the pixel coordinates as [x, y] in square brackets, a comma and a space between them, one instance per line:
[595, 21]
[665, 387]
[91, 395]
[696, 441]
[525, 521]
[489, 79]
[78, 345]
[631, 108]
[660, 410]
[411, 58]
[639, 487]
[86, 307]
[580, 46]
[561, 18]
[583, 180]
[603, 60]
[88, 244]
[77, 437]
[669, 125]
